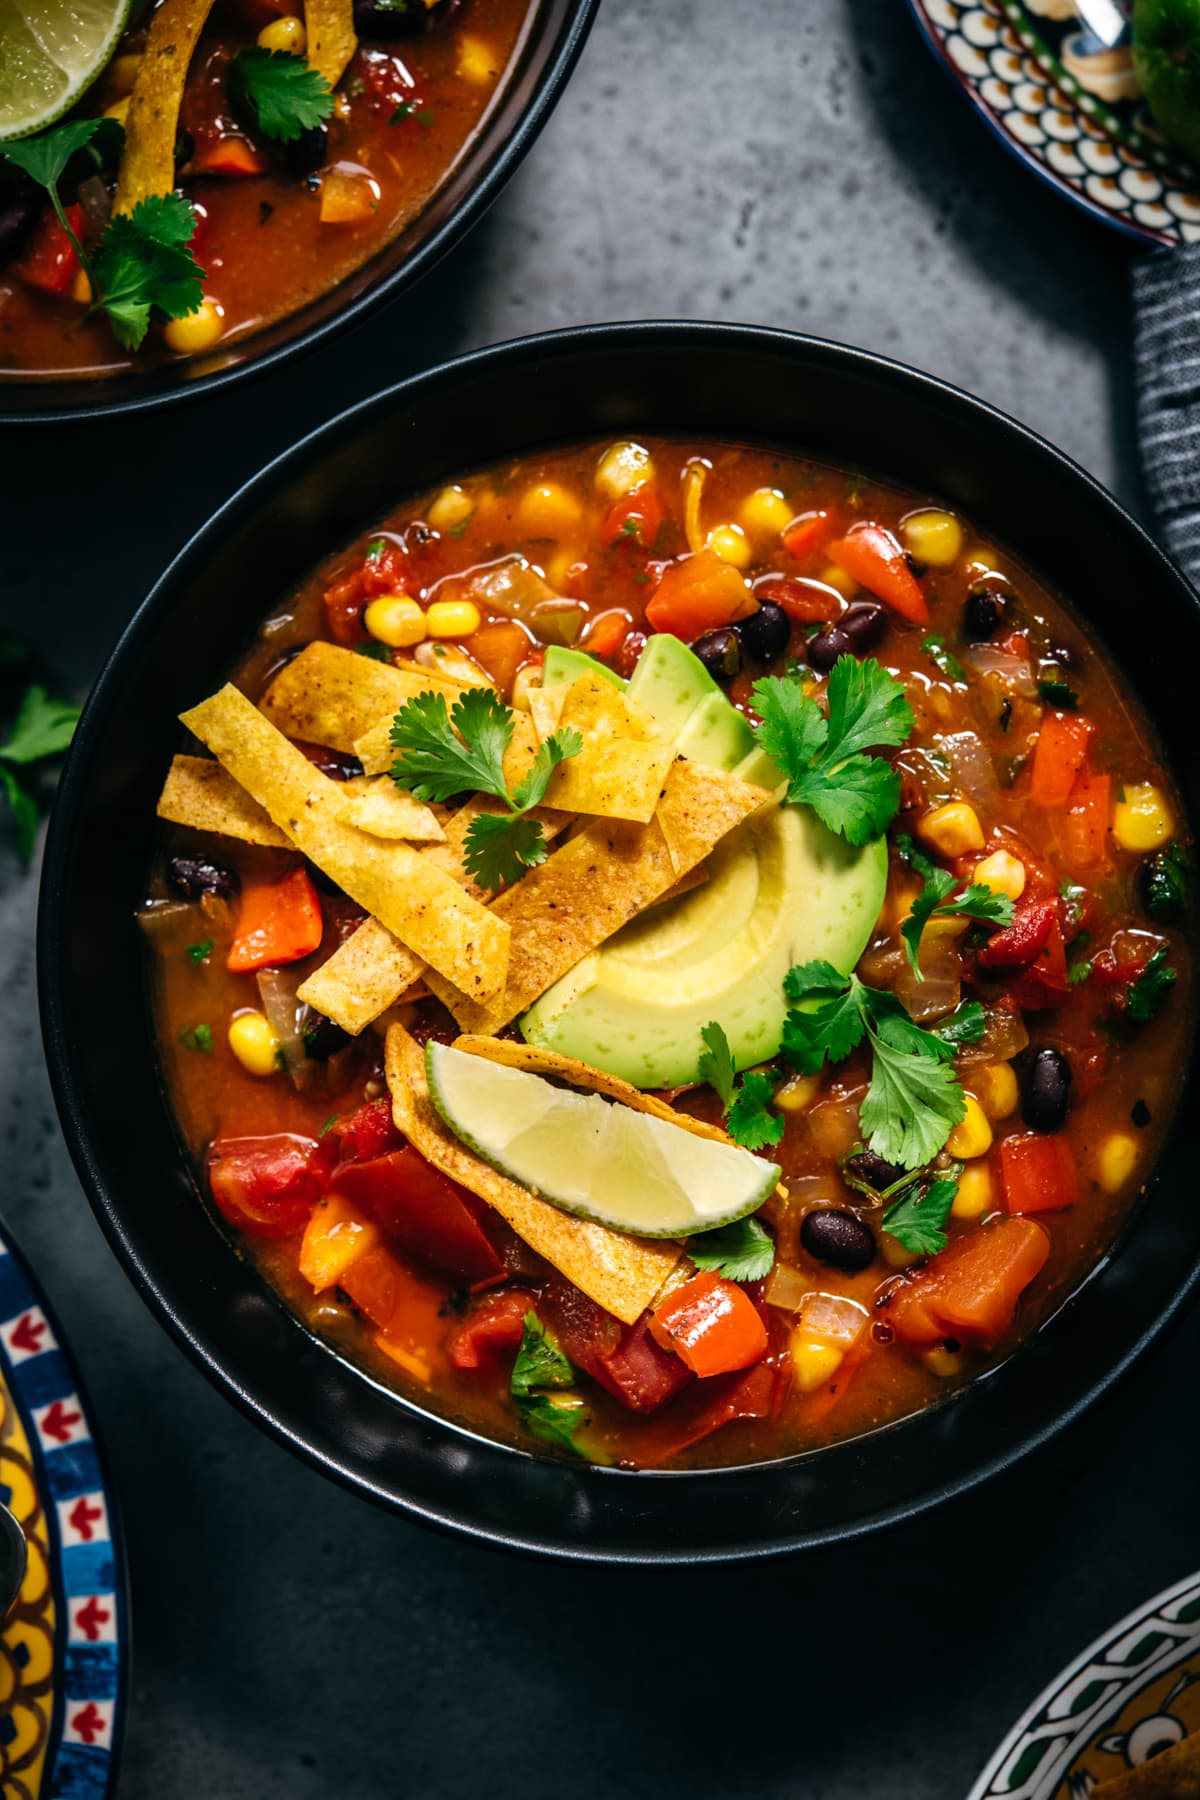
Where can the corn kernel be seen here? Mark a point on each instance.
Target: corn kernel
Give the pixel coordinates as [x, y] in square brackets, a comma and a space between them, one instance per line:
[199, 331]
[122, 70]
[284, 34]
[894, 1254]
[933, 537]
[255, 1043]
[548, 510]
[731, 545]
[797, 1092]
[477, 61]
[1142, 820]
[622, 469]
[952, 830]
[119, 110]
[453, 507]
[527, 678]
[972, 1136]
[813, 1364]
[452, 619]
[765, 512]
[1003, 873]
[832, 576]
[976, 1192]
[943, 1363]
[1116, 1161]
[395, 620]
[996, 1089]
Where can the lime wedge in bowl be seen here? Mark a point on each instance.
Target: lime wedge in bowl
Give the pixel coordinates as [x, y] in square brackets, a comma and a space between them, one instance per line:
[593, 1157]
[51, 51]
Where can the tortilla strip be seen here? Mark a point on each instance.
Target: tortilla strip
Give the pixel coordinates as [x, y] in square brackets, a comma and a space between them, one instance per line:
[417, 901]
[328, 695]
[379, 807]
[536, 1061]
[619, 772]
[148, 158]
[602, 878]
[622, 1274]
[199, 793]
[329, 25]
[1171, 1774]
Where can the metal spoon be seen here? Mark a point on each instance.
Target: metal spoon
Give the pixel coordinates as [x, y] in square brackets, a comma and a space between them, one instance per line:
[13, 1555]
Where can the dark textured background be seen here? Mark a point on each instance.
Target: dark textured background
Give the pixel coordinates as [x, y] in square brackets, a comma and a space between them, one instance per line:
[800, 163]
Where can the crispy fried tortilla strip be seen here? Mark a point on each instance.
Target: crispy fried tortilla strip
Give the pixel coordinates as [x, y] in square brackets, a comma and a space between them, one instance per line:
[152, 122]
[602, 878]
[328, 695]
[329, 25]
[622, 1274]
[536, 1061]
[620, 771]
[379, 807]
[414, 898]
[198, 792]
[1172, 1774]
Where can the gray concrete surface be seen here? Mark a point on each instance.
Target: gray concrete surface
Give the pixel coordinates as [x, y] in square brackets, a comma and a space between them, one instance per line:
[799, 162]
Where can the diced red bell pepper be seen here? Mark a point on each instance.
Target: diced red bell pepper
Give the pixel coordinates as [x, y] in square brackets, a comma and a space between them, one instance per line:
[1043, 982]
[1038, 1172]
[1089, 813]
[375, 1283]
[369, 1131]
[1058, 758]
[810, 532]
[1020, 942]
[495, 1325]
[970, 1290]
[384, 572]
[268, 1185]
[696, 594]
[756, 1394]
[50, 261]
[606, 634]
[876, 561]
[344, 603]
[501, 647]
[639, 1372]
[586, 1333]
[423, 1213]
[712, 1324]
[230, 155]
[278, 922]
[634, 518]
[808, 601]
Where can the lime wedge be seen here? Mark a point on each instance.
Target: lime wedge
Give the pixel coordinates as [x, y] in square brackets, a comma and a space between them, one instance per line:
[594, 1157]
[51, 51]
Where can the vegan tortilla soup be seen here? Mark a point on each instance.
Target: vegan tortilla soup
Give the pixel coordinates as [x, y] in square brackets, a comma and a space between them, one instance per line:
[232, 162]
[671, 954]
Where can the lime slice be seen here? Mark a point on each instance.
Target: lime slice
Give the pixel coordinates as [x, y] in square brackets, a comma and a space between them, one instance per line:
[594, 1157]
[51, 51]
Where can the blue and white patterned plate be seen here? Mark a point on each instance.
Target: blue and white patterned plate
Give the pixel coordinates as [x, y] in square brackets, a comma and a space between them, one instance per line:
[1132, 1694]
[64, 1648]
[1068, 105]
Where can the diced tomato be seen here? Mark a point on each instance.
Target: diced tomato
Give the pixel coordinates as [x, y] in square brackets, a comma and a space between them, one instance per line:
[50, 261]
[384, 572]
[629, 655]
[696, 594]
[639, 1371]
[386, 80]
[606, 634]
[1021, 941]
[712, 1324]
[494, 1325]
[278, 922]
[634, 518]
[756, 1394]
[501, 648]
[585, 1332]
[268, 1185]
[810, 532]
[1038, 1172]
[970, 1291]
[1089, 813]
[369, 1131]
[375, 1283]
[876, 561]
[1058, 758]
[424, 1214]
[1044, 982]
[808, 601]
[230, 155]
[344, 603]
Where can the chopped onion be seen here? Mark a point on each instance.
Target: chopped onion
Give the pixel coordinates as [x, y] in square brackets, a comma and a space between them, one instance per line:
[941, 965]
[510, 585]
[96, 201]
[451, 660]
[277, 991]
[158, 916]
[556, 621]
[1001, 665]
[833, 1320]
[973, 766]
[1004, 1036]
[786, 1287]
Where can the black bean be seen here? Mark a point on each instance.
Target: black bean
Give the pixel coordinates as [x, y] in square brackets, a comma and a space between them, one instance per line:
[306, 153]
[765, 633]
[864, 623]
[339, 765]
[400, 18]
[826, 647]
[322, 1038]
[1045, 1089]
[192, 876]
[873, 1170]
[838, 1238]
[20, 204]
[982, 614]
[720, 652]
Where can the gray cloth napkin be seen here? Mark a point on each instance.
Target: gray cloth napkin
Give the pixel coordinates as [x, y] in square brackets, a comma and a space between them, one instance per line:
[1166, 308]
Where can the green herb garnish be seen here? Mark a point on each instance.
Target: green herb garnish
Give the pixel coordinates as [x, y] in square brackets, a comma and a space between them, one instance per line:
[743, 1251]
[917, 1219]
[1079, 971]
[1072, 896]
[1059, 694]
[541, 1365]
[937, 900]
[197, 1037]
[965, 1025]
[943, 658]
[1168, 885]
[746, 1102]
[408, 109]
[200, 953]
[1148, 994]
[43, 727]
[284, 95]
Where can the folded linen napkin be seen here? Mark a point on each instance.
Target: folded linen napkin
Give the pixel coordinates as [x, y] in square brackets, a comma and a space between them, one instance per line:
[1166, 307]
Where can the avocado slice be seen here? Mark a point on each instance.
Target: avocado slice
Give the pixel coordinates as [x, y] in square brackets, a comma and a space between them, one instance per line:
[563, 666]
[782, 889]
[716, 734]
[670, 681]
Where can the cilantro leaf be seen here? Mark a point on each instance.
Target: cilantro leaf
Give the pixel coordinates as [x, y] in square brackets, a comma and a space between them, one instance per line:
[1167, 882]
[499, 847]
[197, 1037]
[43, 727]
[793, 730]
[1079, 971]
[144, 261]
[560, 745]
[977, 902]
[200, 953]
[444, 753]
[912, 1105]
[751, 1122]
[1059, 694]
[858, 800]
[553, 1421]
[942, 658]
[540, 1363]
[867, 707]
[1148, 994]
[743, 1251]
[716, 1061]
[283, 93]
[828, 1031]
[965, 1025]
[917, 1219]
[24, 811]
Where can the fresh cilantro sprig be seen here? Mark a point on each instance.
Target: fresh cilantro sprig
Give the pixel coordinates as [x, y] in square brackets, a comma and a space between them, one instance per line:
[826, 758]
[746, 1102]
[541, 1365]
[914, 1099]
[143, 261]
[942, 657]
[197, 1037]
[965, 1025]
[43, 727]
[461, 750]
[917, 1220]
[743, 1251]
[1148, 994]
[283, 94]
[937, 900]
[200, 952]
[1167, 881]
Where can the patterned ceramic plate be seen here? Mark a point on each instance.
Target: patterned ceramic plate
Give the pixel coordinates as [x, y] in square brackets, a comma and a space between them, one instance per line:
[1132, 1693]
[64, 1649]
[1069, 106]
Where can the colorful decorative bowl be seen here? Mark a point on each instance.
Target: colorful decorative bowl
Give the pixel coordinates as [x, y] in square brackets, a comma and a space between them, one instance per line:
[1068, 105]
[64, 1646]
[1133, 1693]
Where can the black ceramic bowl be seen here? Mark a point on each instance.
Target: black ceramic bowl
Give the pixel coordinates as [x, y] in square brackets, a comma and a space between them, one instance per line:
[555, 38]
[695, 379]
